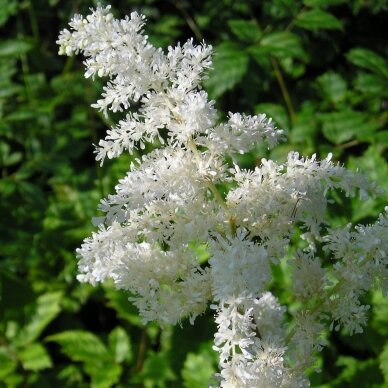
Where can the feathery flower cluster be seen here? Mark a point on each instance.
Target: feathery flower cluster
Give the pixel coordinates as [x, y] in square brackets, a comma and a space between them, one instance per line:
[170, 201]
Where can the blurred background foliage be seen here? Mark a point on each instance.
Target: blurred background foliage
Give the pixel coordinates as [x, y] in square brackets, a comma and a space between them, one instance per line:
[318, 67]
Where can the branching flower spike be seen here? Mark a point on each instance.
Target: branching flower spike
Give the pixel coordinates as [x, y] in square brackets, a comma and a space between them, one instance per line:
[170, 202]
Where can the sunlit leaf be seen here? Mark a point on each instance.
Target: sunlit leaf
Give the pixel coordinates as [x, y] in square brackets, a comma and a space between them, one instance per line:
[384, 361]
[230, 63]
[81, 345]
[199, 368]
[156, 369]
[8, 361]
[119, 345]
[35, 357]
[103, 375]
[47, 309]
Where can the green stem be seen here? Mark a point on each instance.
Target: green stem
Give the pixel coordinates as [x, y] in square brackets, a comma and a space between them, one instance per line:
[33, 21]
[283, 88]
[190, 21]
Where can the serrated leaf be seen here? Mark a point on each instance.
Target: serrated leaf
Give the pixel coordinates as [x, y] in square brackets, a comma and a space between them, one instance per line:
[47, 308]
[103, 375]
[197, 370]
[316, 19]
[339, 127]
[14, 47]
[277, 112]
[246, 30]
[120, 345]
[369, 84]
[35, 357]
[230, 63]
[157, 368]
[333, 86]
[368, 59]
[280, 45]
[81, 345]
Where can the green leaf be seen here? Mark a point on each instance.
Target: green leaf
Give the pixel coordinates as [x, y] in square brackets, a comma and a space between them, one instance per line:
[157, 368]
[14, 47]
[230, 63]
[333, 86]
[322, 3]
[81, 345]
[380, 314]
[280, 45]
[316, 19]
[277, 112]
[21, 115]
[305, 128]
[47, 309]
[384, 361]
[32, 193]
[374, 163]
[120, 345]
[7, 9]
[369, 84]
[9, 90]
[369, 60]
[119, 302]
[381, 137]
[201, 251]
[198, 370]
[7, 361]
[35, 357]
[358, 373]
[339, 127]
[246, 30]
[72, 374]
[167, 30]
[103, 375]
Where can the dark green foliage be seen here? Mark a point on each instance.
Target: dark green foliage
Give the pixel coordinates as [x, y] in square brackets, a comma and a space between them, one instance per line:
[318, 67]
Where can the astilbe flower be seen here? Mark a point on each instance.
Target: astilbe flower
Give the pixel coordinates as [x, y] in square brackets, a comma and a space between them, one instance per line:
[170, 200]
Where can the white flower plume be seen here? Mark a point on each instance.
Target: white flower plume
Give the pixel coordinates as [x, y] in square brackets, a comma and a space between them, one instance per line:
[183, 195]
